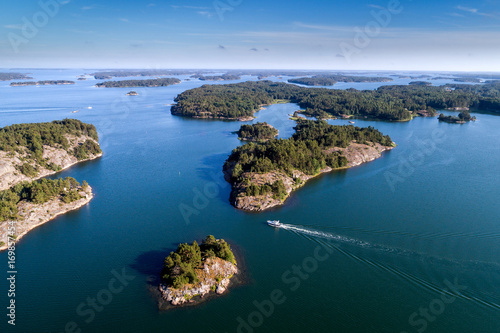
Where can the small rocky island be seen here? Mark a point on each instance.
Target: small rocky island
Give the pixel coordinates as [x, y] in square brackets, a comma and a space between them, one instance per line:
[132, 93]
[263, 175]
[259, 132]
[32, 151]
[462, 118]
[193, 271]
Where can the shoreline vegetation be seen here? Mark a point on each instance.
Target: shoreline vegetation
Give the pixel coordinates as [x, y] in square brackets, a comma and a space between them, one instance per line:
[139, 83]
[263, 176]
[259, 132]
[193, 272]
[462, 118]
[29, 152]
[27, 206]
[239, 101]
[330, 80]
[42, 83]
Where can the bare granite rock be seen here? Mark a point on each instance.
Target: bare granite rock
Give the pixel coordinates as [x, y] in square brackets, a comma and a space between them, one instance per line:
[10, 175]
[215, 276]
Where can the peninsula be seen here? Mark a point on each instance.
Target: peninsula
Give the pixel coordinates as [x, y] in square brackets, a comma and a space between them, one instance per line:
[14, 76]
[263, 175]
[194, 271]
[139, 83]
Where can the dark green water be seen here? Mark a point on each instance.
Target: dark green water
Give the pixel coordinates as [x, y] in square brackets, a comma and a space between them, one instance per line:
[371, 249]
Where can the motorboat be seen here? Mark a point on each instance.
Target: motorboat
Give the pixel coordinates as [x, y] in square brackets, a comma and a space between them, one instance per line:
[275, 223]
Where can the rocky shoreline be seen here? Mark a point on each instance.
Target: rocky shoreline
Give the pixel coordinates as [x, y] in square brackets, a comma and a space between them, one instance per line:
[215, 277]
[9, 164]
[355, 153]
[32, 215]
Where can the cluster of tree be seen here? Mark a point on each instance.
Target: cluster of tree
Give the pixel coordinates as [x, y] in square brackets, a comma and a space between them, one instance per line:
[41, 83]
[14, 76]
[38, 192]
[139, 83]
[179, 267]
[131, 73]
[31, 138]
[420, 83]
[257, 132]
[462, 117]
[308, 150]
[277, 188]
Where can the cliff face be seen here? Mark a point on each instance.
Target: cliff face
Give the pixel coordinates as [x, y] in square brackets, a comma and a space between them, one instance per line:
[355, 153]
[10, 175]
[214, 276]
[32, 215]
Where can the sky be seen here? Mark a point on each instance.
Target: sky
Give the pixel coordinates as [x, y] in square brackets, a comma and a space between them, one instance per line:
[433, 35]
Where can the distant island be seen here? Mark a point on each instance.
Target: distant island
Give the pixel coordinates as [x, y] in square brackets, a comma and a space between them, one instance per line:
[263, 175]
[132, 93]
[31, 151]
[139, 83]
[393, 103]
[259, 132]
[225, 77]
[420, 83]
[14, 76]
[330, 79]
[462, 118]
[106, 75]
[41, 83]
[194, 271]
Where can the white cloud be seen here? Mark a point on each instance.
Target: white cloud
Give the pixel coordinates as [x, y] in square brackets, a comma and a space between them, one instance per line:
[474, 11]
[204, 13]
[124, 20]
[13, 26]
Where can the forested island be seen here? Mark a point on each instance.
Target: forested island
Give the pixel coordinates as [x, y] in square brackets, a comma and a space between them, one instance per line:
[259, 132]
[41, 83]
[106, 75]
[330, 79]
[32, 151]
[420, 83]
[139, 83]
[193, 271]
[132, 93]
[263, 175]
[462, 118]
[14, 76]
[225, 77]
[395, 103]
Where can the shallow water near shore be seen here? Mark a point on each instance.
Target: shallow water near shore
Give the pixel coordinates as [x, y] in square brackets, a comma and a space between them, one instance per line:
[374, 244]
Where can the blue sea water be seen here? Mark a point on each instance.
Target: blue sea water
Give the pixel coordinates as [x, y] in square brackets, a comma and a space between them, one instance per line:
[407, 243]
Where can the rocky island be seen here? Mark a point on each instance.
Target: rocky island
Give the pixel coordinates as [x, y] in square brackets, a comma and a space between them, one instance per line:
[14, 76]
[132, 93]
[259, 132]
[32, 151]
[194, 271]
[263, 175]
